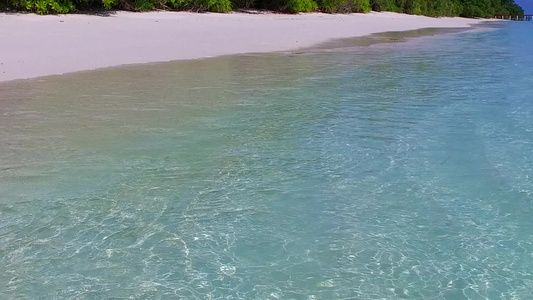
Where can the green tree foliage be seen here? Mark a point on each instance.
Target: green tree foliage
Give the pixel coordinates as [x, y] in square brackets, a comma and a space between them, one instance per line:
[477, 8]
[44, 6]
[435, 8]
[297, 6]
[289, 6]
[384, 5]
[344, 6]
[439, 8]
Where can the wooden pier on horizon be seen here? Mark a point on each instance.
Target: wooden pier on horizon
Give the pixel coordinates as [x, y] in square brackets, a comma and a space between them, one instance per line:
[515, 18]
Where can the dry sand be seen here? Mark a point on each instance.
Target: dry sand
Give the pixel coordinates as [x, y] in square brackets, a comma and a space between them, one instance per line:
[33, 46]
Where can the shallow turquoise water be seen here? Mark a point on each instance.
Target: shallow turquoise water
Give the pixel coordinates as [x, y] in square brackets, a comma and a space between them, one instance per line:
[401, 171]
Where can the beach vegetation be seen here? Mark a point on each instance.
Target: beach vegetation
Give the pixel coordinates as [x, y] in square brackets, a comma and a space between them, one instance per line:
[345, 6]
[296, 6]
[244, 4]
[141, 5]
[44, 6]
[288, 6]
[108, 4]
[434, 8]
[383, 5]
[220, 6]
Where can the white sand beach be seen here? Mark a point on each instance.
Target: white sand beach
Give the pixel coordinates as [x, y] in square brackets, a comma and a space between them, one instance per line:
[33, 46]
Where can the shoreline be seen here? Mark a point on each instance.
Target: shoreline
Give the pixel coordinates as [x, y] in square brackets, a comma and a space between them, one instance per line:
[35, 46]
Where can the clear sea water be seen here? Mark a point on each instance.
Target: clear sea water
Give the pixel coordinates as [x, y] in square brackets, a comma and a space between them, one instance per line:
[395, 171]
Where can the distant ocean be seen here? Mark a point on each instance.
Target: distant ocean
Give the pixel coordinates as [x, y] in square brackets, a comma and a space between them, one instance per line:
[395, 171]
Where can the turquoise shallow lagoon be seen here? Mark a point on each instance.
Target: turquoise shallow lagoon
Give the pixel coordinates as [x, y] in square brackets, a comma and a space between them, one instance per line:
[395, 171]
